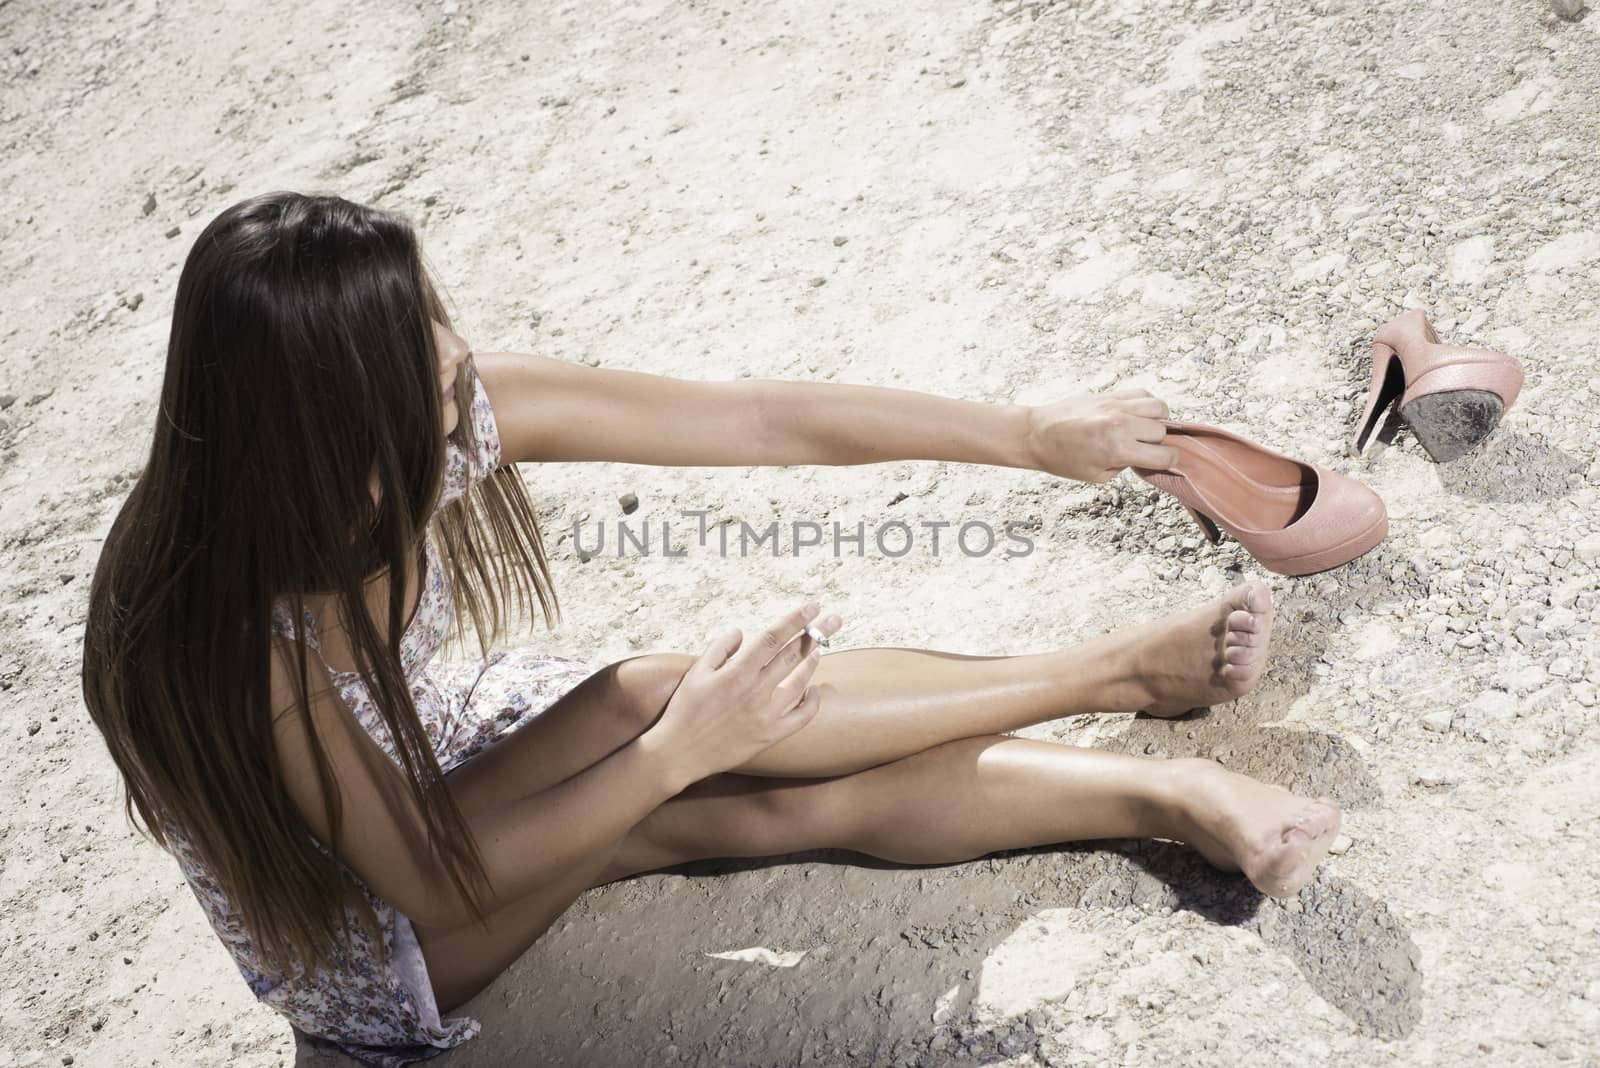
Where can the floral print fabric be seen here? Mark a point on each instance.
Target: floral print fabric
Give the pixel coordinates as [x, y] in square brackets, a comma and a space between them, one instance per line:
[385, 1014]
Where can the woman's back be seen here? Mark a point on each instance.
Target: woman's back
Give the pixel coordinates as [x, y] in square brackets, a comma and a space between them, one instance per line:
[374, 999]
[310, 436]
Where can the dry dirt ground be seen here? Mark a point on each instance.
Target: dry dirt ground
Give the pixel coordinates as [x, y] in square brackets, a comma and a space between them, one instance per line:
[1217, 199]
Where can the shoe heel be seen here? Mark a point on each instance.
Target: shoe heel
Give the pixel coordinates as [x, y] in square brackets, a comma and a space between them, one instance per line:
[1213, 535]
[1451, 423]
[1388, 383]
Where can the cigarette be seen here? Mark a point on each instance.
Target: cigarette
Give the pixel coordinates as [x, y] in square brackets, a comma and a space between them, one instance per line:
[816, 635]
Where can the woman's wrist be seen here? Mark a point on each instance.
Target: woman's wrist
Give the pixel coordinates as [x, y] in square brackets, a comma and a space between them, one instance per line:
[1029, 446]
[660, 764]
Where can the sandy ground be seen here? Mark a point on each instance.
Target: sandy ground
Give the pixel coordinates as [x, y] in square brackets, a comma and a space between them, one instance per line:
[996, 201]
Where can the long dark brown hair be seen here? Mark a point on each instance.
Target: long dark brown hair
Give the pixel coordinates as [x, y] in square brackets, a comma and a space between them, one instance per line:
[302, 359]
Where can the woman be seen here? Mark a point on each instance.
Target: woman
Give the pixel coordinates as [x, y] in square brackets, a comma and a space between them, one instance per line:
[376, 836]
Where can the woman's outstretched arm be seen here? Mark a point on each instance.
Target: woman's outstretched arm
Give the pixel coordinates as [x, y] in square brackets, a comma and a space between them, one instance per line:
[549, 409]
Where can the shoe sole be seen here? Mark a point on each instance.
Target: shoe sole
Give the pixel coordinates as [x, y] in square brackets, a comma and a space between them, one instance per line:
[1451, 423]
[1315, 564]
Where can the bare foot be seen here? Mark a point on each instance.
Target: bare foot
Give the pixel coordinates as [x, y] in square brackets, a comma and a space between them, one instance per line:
[1274, 837]
[1208, 656]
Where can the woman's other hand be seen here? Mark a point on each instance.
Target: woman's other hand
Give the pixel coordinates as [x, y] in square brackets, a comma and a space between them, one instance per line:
[739, 696]
[1094, 436]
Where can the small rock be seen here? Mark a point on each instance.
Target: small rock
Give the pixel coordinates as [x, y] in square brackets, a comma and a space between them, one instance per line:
[1439, 720]
[134, 301]
[1567, 9]
[1588, 548]
[1436, 777]
[818, 281]
[957, 82]
[629, 503]
[840, 242]
[1559, 621]
[1470, 641]
[34, 728]
[1341, 845]
[1522, 680]
[173, 232]
[7, 400]
[149, 203]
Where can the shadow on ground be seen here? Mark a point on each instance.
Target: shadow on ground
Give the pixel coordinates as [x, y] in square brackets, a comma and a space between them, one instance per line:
[865, 991]
[1513, 467]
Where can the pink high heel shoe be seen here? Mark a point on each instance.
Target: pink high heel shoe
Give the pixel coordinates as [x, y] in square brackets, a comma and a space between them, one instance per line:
[1295, 518]
[1451, 397]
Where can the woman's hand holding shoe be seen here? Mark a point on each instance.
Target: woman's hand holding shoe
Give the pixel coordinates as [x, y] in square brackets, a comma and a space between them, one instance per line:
[1094, 436]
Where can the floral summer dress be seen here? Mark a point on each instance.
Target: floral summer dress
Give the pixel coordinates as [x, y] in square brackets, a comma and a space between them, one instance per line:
[386, 1015]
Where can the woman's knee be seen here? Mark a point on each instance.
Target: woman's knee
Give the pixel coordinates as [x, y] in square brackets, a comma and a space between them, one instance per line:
[760, 817]
[645, 684]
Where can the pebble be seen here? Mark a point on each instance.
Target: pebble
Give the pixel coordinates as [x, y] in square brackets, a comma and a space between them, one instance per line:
[1341, 845]
[149, 203]
[1470, 641]
[1439, 720]
[629, 503]
[1436, 777]
[1559, 621]
[34, 728]
[1567, 9]
[173, 232]
[1561, 667]
[7, 400]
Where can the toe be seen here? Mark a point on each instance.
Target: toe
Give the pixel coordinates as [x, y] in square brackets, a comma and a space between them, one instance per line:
[1258, 598]
[1243, 639]
[1239, 655]
[1242, 622]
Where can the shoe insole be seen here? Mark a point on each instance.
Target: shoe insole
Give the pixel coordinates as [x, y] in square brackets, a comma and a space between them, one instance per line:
[1250, 490]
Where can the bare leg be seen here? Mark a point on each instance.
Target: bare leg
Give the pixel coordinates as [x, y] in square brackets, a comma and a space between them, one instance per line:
[967, 798]
[879, 705]
[953, 802]
[882, 704]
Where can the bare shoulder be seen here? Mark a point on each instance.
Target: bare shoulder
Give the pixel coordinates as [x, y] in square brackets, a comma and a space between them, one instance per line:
[529, 396]
[283, 692]
[510, 378]
[496, 369]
